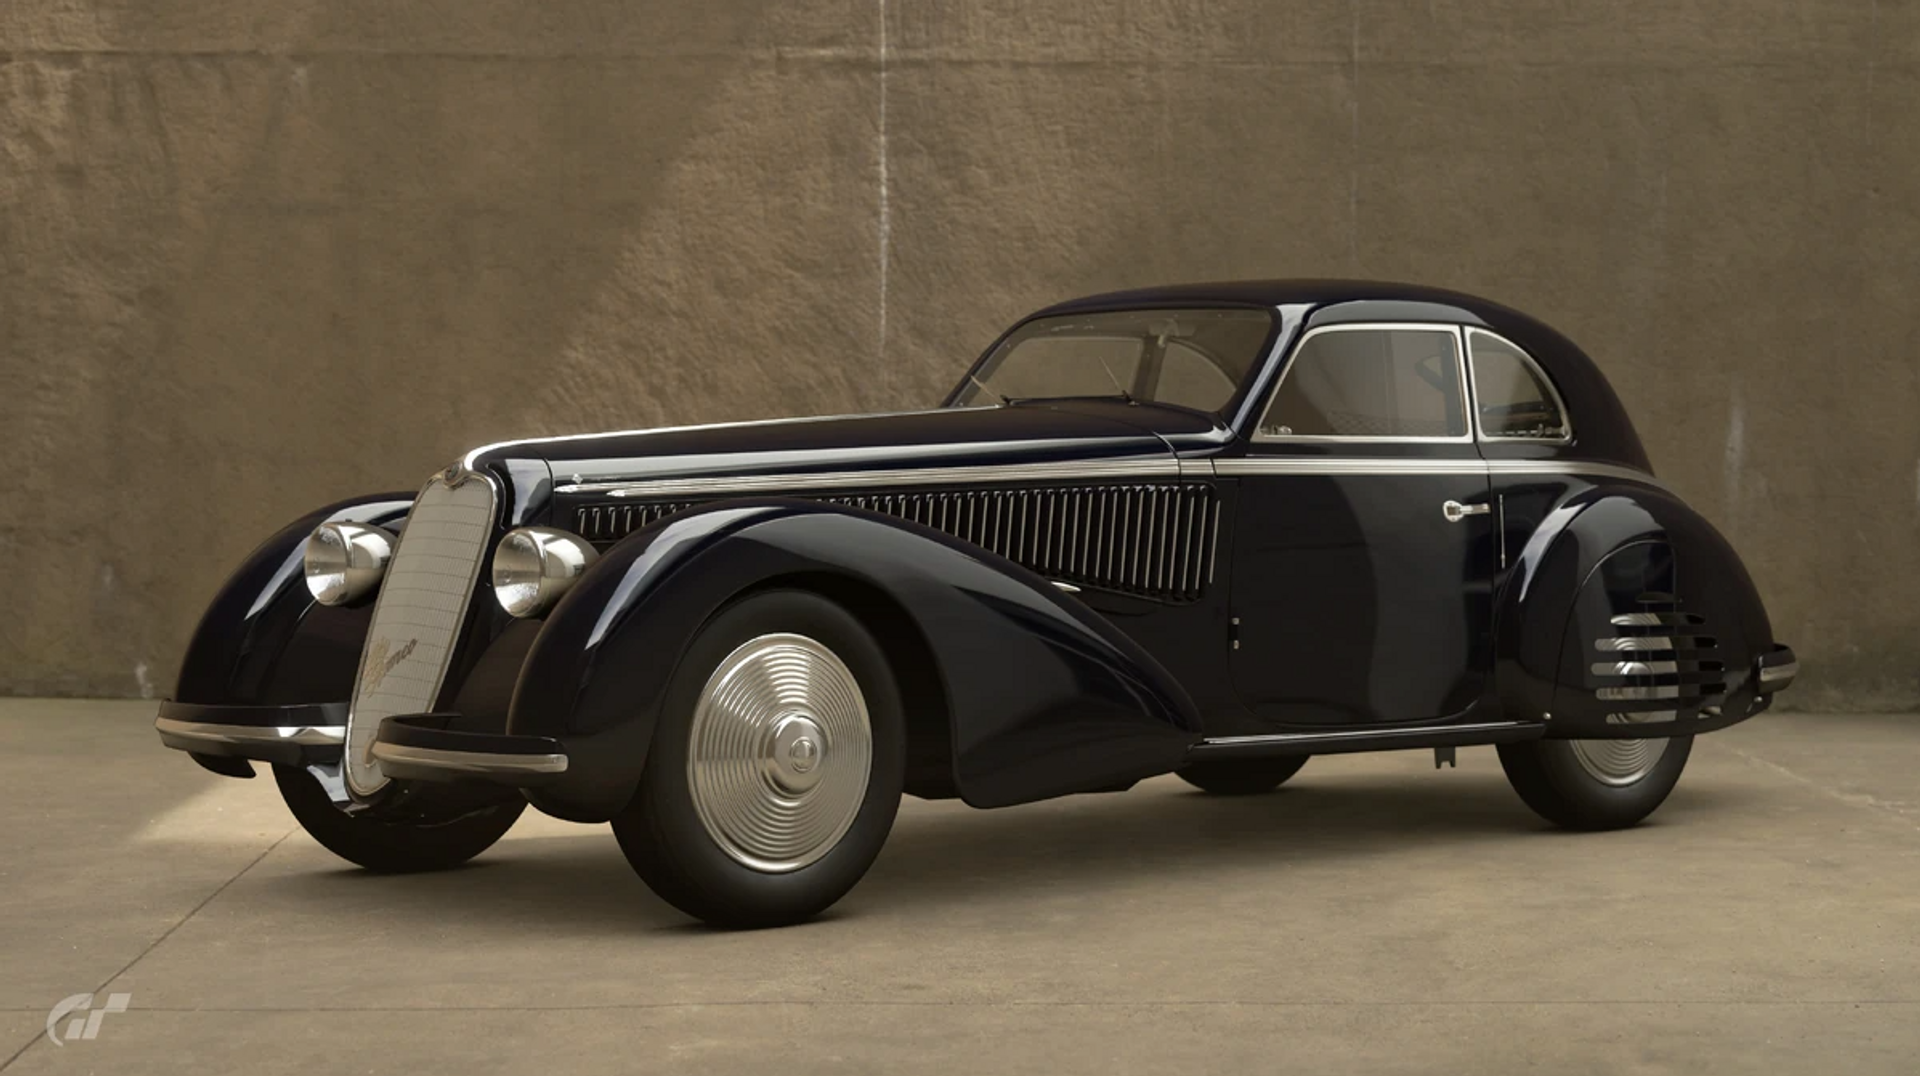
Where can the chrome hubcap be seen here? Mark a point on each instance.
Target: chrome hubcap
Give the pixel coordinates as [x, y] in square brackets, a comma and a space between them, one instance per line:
[780, 753]
[1618, 762]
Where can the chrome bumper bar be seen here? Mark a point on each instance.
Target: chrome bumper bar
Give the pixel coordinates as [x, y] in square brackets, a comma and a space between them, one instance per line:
[439, 763]
[425, 747]
[289, 735]
[1774, 670]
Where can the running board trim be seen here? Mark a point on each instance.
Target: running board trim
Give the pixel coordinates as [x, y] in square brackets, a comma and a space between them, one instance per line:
[1350, 740]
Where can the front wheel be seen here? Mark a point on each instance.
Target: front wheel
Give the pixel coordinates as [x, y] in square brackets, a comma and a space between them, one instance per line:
[391, 847]
[1595, 784]
[777, 767]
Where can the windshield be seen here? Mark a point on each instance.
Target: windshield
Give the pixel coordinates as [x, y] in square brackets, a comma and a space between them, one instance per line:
[1191, 358]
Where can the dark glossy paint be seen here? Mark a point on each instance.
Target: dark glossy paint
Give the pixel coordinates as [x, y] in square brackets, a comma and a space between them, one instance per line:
[1358, 602]
[1361, 608]
[1600, 550]
[1089, 708]
[264, 639]
[965, 437]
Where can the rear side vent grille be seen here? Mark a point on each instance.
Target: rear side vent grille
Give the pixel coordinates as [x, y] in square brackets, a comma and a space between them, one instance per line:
[1153, 540]
[1657, 664]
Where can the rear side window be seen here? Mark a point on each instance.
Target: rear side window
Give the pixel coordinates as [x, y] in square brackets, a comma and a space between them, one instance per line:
[1516, 401]
[1371, 384]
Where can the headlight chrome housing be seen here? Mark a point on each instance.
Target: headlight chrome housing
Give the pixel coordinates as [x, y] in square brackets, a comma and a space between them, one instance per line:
[344, 561]
[534, 566]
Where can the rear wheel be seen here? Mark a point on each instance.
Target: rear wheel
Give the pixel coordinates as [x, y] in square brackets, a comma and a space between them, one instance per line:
[1241, 776]
[777, 767]
[391, 847]
[1595, 784]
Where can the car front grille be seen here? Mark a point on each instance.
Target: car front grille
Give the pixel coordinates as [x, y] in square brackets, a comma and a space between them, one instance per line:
[1152, 540]
[417, 619]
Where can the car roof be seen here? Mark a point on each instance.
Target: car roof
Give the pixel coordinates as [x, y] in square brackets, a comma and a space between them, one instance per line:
[1595, 406]
[1285, 292]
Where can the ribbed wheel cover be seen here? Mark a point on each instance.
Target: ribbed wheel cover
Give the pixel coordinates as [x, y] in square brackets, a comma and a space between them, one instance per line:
[1618, 762]
[780, 752]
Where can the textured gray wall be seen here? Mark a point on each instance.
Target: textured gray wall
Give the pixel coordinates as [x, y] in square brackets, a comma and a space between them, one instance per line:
[259, 256]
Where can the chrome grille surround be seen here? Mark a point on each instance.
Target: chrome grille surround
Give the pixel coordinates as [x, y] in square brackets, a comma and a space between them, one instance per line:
[419, 615]
[1150, 539]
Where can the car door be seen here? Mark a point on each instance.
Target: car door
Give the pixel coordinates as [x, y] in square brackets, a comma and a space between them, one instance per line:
[1362, 549]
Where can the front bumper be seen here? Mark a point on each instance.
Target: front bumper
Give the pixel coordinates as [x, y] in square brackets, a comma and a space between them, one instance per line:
[224, 738]
[423, 747]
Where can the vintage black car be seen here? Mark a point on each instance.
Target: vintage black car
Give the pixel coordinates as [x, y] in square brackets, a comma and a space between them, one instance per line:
[1208, 529]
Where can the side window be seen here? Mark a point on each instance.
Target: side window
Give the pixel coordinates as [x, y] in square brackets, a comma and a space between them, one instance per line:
[1513, 395]
[1370, 384]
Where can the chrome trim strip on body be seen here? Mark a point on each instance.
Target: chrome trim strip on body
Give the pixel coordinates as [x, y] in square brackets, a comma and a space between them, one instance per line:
[1774, 673]
[1583, 468]
[471, 458]
[205, 732]
[789, 482]
[475, 763]
[1359, 734]
[785, 462]
[1329, 465]
[1141, 467]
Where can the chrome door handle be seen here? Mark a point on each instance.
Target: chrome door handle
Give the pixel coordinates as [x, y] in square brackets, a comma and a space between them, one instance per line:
[1455, 511]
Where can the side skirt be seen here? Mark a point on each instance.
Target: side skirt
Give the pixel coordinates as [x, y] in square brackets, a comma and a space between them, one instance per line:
[1346, 741]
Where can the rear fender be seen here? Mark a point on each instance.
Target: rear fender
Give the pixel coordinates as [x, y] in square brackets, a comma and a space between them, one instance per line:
[1635, 553]
[1041, 696]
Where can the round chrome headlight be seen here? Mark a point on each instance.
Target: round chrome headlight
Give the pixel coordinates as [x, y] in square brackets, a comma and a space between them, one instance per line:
[534, 566]
[345, 561]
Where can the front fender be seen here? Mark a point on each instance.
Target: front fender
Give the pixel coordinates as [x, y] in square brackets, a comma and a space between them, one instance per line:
[264, 640]
[1619, 551]
[1041, 696]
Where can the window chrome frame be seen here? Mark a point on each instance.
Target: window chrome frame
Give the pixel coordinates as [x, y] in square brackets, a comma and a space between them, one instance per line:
[1460, 370]
[1532, 364]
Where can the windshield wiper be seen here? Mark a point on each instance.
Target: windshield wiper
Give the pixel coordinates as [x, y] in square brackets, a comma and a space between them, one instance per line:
[1108, 370]
[982, 386]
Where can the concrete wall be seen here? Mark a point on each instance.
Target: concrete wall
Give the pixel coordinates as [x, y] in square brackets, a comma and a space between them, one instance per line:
[259, 256]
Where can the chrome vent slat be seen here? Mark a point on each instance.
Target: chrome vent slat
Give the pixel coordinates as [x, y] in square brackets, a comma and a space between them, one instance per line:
[1655, 642]
[1660, 674]
[1657, 620]
[1153, 540]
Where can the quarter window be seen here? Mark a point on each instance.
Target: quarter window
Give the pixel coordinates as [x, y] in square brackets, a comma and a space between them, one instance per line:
[1515, 400]
[1371, 384]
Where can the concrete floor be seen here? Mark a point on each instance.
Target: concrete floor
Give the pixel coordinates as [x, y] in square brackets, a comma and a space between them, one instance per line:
[1372, 917]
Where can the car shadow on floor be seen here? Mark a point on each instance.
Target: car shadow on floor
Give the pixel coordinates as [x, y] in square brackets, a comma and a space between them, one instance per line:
[948, 854]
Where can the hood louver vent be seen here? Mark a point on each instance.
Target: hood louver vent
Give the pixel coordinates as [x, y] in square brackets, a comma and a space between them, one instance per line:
[1658, 664]
[1152, 540]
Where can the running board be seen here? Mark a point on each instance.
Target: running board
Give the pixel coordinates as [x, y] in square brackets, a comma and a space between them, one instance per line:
[1350, 740]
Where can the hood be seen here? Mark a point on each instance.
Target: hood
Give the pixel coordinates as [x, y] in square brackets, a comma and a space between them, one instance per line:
[1025, 434]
